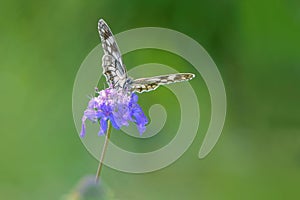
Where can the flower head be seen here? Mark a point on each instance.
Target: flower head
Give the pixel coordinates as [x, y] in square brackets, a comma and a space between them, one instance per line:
[118, 106]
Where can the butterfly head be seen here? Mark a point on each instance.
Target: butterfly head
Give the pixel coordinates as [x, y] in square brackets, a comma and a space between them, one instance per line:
[128, 83]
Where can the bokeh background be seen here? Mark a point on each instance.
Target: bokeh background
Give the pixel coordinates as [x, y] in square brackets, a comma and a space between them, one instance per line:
[255, 45]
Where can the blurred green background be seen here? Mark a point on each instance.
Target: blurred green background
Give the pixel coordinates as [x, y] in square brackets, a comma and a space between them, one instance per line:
[256, 46]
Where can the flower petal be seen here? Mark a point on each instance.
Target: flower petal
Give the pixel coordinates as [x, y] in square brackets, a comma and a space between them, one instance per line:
[83, 128]
[134, 98]
[91, 114]
[82, 132]
[113, 122]
[103, 126]
[141, 128]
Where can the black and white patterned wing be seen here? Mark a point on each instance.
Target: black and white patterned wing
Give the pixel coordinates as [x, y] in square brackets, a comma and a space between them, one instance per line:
[148, 84]
[113, 68]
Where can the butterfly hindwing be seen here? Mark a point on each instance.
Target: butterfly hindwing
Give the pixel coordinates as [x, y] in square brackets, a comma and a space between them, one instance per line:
[148, 84]
[113, 67]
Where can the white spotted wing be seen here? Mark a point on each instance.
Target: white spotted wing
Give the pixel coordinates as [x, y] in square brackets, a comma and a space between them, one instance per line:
[147, 84]
[115, 71]
[113, 67]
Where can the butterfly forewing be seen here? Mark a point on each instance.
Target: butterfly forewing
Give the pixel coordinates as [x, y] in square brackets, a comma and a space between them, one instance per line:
[148, 84]
[113, 67]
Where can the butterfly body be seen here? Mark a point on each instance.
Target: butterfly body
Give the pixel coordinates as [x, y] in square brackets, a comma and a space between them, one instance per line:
[115, 71]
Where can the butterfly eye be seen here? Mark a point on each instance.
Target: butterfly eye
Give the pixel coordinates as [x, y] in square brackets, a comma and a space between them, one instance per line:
[129, 80]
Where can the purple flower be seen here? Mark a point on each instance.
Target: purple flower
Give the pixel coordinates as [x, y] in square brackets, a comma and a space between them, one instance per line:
[137, 114]
[119, 107]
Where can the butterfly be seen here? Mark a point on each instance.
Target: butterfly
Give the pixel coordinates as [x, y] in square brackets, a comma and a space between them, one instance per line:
[115, 71]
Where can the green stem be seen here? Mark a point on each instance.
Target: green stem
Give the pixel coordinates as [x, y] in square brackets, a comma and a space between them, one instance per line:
[107, 136]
